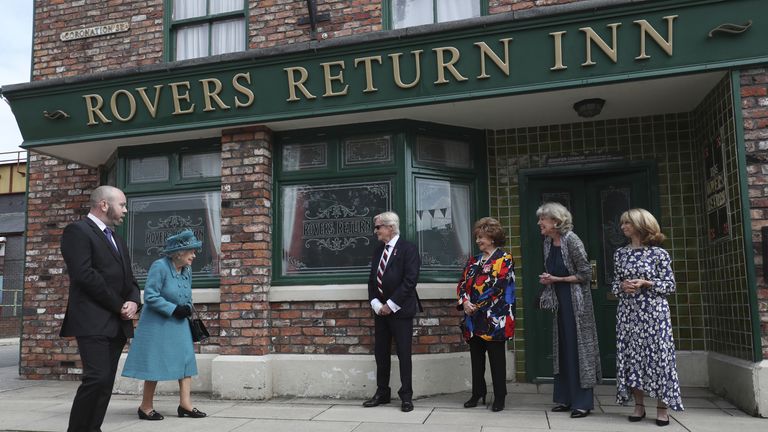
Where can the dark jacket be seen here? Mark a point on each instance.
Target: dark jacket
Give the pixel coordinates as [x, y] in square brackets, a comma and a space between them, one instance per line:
[100, 281]
[399, 279]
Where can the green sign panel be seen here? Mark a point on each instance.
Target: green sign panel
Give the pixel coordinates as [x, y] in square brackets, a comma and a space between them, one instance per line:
[521, 55]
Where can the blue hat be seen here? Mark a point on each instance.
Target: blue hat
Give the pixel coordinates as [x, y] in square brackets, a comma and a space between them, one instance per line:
[184, 240]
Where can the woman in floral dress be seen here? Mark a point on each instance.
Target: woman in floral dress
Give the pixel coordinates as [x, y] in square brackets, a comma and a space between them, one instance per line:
[645, 349]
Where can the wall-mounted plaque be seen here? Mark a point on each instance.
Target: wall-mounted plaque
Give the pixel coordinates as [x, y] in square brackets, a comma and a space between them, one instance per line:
[100, 30]
[716, 191]
[329, 228]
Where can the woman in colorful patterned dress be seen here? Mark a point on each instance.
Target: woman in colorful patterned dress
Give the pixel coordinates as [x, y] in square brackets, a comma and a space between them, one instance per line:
[567, 276]
[645, 349]
[486, 294]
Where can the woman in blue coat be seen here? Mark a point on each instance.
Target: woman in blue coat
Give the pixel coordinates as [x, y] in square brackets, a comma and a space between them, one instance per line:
[162, 347]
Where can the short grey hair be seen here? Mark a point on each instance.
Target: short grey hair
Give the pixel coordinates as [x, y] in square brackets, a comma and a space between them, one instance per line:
[389, 218]
[558, 213]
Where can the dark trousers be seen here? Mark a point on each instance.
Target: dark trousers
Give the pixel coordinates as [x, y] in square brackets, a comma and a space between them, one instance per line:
[567, 388]
[401, 330]
[100, 355]
[498, 361]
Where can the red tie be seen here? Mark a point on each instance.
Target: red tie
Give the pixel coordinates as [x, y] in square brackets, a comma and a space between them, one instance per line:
[382, 266]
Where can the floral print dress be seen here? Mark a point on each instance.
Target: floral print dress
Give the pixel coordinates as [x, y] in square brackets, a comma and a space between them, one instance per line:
[645, 349]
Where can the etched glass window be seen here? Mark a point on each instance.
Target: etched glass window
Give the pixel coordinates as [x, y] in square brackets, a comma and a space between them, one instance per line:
[195, 166]
[329, 228]
[299, 157]
[361, 151]
[409, 13]
[443, 152]
[443, 223]
[155, 218]
[148, 170]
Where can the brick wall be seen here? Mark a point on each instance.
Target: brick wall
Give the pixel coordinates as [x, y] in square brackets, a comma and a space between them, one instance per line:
[141, 45]
[502, 6]
[754, 109]
[347, 328]
[58, 194]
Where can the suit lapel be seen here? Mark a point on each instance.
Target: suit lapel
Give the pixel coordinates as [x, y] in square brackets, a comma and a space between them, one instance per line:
[105, 241]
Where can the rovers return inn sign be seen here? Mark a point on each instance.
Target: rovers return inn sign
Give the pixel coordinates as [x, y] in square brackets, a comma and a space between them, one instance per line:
[396, 69]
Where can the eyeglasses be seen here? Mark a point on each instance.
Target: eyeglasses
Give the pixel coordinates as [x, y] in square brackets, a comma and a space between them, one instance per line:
[375, 227]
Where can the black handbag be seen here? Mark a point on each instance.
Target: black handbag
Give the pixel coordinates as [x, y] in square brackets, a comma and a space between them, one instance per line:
[196, 326]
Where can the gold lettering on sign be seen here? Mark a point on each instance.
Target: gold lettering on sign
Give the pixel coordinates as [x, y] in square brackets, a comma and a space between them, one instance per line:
[92, 109]
[485, 50]
[329, 79]
[591, 36]
[293, 84]
[131, 105]
[208, 94]
[178, 97]
[396, 69]
[368, 72]
[243, 90]
[558, 37]
[646, 28]
[442, 65]
[151, 106]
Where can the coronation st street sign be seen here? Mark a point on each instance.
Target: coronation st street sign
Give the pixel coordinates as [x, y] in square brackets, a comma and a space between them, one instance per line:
[502, 59]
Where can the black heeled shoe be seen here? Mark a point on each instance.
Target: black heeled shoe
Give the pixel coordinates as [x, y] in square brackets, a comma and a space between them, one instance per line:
[472, 402]
[577, 413]
[195, 413]
[561, 408]
[660, 422]
[635, 419]
[498, 405]
[152, 415]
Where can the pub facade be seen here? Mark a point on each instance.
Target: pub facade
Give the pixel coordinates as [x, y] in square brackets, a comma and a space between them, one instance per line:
[277, 130]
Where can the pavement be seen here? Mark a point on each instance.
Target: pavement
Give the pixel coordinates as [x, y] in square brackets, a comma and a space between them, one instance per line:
[43, 406]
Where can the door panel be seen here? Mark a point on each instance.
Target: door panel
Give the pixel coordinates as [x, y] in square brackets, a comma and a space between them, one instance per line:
[596, 202]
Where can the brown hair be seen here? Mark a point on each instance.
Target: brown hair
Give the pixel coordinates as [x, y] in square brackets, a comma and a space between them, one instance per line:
[644, 222]
[491, 228]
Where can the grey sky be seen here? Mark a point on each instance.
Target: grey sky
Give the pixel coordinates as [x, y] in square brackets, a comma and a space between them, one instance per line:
[15, 59]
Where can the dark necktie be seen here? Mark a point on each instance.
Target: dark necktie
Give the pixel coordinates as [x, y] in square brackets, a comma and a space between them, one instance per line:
[108, 232]
[382, 266]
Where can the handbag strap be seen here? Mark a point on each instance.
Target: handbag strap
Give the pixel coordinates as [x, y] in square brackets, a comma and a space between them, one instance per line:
[194, 311]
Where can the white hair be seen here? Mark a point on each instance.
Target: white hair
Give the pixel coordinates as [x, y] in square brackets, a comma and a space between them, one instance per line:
[390, 219]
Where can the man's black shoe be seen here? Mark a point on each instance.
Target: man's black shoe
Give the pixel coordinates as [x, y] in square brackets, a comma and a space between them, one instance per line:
[407, 406]
[376, 400]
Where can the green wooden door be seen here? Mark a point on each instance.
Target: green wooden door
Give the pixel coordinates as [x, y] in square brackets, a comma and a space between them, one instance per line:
[596, 201]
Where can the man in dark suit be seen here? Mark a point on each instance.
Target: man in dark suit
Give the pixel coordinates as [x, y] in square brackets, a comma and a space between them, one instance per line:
[392, 292]
[103, 300]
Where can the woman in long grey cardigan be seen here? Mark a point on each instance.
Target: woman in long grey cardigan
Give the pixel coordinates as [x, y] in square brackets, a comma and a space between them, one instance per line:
[566, 277]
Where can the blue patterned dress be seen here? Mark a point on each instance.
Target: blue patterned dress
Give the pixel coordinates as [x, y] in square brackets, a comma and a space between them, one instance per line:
[645, 349]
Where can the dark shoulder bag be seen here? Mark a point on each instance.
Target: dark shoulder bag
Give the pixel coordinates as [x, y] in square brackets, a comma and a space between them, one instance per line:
[196, 326]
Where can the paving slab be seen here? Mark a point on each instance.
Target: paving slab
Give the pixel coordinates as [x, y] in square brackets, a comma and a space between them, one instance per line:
[389, 413]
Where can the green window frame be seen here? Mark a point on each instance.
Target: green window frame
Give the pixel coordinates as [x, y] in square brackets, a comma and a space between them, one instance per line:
[173, 26]
[326, 193]
[178, 186]
[388, 15]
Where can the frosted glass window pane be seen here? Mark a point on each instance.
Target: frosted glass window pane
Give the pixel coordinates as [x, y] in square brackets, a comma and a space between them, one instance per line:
[443, 224]
[147, 170]
[183, 9]
[228, 36]
[409, 13]
[221, 6]
[451, 10]
[201, 165]
[192, 42]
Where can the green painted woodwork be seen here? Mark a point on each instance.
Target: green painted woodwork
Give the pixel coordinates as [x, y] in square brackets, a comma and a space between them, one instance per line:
[331, 70]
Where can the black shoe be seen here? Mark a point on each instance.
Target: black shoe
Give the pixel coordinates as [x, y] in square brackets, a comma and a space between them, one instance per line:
[561, 408]
[152, 415]
[577, 413]
[376, 400]
[472, 402]
[662, 422]
[195, 413]
[498, 405]
[635, 419]
[406, 406]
